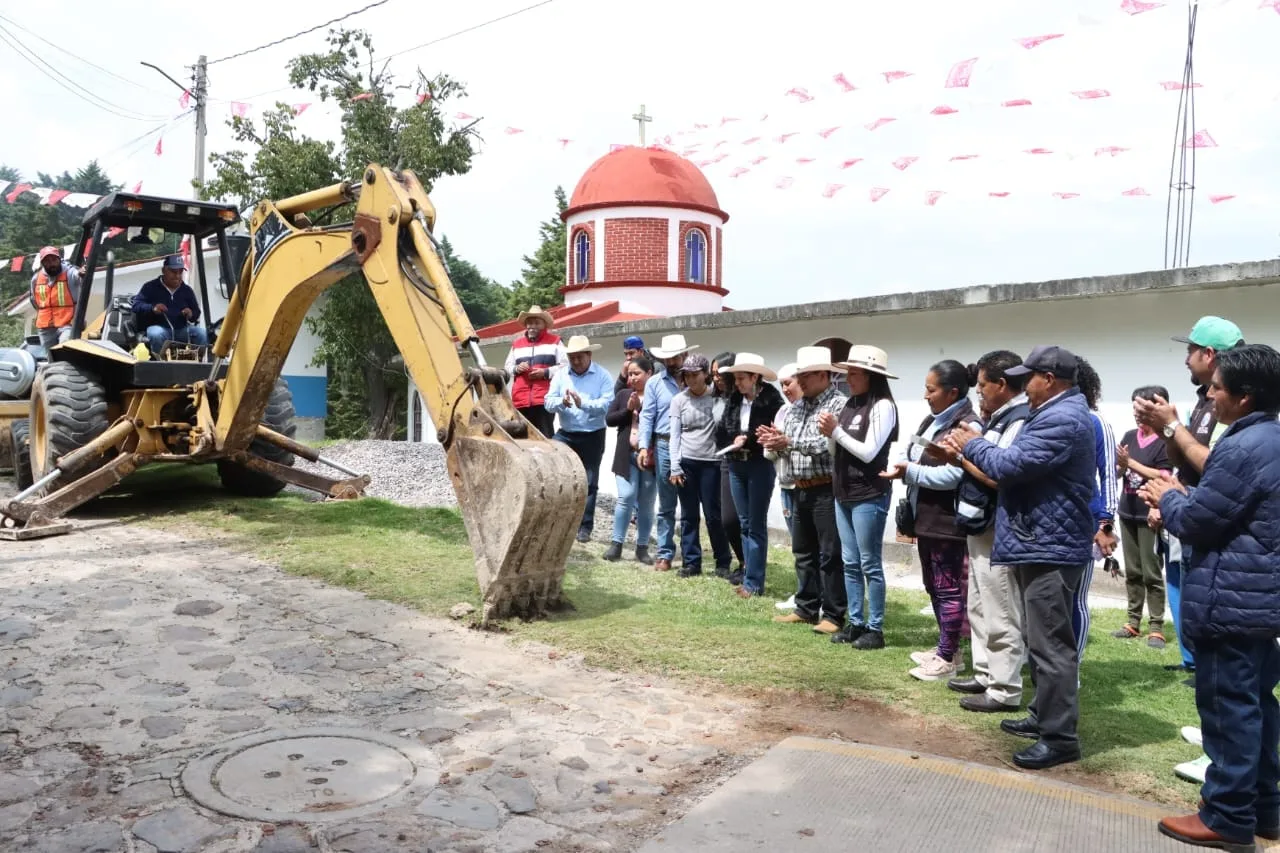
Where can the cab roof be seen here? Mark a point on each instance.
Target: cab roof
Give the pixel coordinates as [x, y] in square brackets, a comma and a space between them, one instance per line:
[175, 215]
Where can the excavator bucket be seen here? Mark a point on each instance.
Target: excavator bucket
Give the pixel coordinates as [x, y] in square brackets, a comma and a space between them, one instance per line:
[522, 504]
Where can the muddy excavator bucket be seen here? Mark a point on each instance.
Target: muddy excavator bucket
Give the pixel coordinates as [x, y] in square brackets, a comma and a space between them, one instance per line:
[522, 504]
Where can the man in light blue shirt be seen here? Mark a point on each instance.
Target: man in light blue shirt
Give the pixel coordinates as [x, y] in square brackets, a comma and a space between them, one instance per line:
[581, 396]
[654, 433]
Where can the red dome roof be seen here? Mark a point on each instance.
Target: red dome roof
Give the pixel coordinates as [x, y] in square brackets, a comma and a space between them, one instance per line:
[644, 176]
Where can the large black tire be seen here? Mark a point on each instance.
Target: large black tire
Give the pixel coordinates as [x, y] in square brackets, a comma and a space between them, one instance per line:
[68, 410]
[280, 416]
[21, 453]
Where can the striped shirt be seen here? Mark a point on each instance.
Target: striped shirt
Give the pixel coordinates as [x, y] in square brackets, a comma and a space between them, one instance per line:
[1106, 500]
[808, 449]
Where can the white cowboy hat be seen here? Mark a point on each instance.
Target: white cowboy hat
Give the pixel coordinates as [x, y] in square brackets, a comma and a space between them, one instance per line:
[870, 359]
[536, 311]
[579, 343]
[815, 360]
[787, 370]
[672, 346]
[749, 362]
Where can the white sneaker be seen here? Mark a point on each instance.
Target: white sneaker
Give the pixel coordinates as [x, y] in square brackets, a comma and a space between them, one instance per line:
[935, 669]
[921, 658]
[789, 604]
[1193, 771]
[1191, 734]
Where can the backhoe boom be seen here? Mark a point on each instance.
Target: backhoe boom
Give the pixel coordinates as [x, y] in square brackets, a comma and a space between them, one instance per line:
[520, 494]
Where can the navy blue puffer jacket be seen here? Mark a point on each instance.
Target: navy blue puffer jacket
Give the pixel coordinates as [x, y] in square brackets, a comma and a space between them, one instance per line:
[1232, 523]
[1047, 479]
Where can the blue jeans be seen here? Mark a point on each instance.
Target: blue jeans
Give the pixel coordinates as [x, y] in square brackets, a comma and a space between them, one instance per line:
[861, 526]
[788, 500]
[636, 493]
[701, 491]
[667, 496]
[751, 482]
[590, 449]
[1236, 678]
[1173, 590]
[193, 334]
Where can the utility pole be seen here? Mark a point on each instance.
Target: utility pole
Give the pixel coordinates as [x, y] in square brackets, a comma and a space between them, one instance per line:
[200, 94]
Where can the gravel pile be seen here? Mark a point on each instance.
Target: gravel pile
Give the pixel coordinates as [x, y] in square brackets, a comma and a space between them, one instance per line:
[413, 474]
[404, 472]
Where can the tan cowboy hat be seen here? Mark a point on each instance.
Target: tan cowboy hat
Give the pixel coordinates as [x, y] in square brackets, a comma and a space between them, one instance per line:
[672, 346]
[815, 360]
[749, 362]
[579, 343]
[870, 359]
[536, 311]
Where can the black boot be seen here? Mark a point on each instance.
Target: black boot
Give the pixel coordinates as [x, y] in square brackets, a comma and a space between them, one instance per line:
[869, 640]
[848, 634]
[642, 555]
[613, 552]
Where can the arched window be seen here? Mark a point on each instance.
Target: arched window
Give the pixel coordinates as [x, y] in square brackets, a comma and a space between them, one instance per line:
[581, 258]
[695, 252]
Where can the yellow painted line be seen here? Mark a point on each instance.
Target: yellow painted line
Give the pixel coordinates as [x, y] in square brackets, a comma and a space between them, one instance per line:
[991, 777]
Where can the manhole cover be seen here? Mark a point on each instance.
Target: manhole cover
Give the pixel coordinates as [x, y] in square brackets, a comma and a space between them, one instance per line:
[310, 775]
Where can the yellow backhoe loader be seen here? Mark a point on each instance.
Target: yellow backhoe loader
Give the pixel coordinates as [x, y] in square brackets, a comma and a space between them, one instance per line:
[100, 408]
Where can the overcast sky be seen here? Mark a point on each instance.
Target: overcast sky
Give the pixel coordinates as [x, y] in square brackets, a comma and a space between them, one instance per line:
[578, 69]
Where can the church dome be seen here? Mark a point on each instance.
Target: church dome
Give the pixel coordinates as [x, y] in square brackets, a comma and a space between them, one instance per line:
[649, 177]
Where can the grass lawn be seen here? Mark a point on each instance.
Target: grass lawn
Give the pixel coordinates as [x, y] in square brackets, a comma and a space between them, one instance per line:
[629, 618]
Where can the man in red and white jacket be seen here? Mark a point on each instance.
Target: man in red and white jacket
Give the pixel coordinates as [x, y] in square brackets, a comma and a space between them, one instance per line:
[533, 360]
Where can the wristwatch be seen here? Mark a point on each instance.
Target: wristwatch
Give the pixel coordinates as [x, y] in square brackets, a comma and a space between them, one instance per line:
[1170, 428]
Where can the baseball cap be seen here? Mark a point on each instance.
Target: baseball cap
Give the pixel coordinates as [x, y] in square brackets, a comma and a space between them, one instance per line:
[1047, 359]
[633, 342]
[46, 252]
[174, 262]
[695, 362]
[1213, 332]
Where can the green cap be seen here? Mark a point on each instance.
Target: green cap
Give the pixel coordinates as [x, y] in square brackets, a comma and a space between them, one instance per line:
[1213, 332]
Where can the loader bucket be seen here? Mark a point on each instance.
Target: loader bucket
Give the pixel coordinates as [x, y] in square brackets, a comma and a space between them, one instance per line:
[522, 504]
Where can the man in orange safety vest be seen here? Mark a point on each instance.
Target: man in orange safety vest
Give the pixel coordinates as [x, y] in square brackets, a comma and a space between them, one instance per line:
[54, 289]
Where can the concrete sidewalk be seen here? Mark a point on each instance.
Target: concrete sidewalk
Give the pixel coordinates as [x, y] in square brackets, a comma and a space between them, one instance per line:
[814, 794]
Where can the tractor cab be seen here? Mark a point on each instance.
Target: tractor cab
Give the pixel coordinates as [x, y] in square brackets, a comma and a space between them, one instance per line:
[115, 335]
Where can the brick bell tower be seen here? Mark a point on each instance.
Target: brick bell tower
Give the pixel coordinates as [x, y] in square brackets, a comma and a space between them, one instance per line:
[645, 230]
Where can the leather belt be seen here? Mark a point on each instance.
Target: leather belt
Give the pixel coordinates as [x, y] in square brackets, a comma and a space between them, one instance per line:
[814, 483]
[662, 436]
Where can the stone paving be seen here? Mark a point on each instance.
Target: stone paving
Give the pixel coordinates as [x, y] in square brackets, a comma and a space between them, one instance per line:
[129, 658]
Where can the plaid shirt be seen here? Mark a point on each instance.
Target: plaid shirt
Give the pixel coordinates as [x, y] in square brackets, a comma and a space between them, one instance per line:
[809, 450]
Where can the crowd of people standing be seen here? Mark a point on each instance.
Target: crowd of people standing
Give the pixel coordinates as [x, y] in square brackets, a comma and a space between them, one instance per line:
[1010, 503]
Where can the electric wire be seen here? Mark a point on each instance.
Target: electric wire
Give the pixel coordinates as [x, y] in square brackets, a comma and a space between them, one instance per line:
[74, 88]
[296, 35]
[434, 41]
[79, 58]
[1182, 176]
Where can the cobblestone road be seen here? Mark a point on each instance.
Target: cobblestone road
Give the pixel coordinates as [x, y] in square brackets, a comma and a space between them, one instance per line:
[127, 656]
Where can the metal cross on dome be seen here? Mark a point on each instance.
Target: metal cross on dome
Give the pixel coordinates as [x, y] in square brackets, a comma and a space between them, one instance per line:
[641, 118]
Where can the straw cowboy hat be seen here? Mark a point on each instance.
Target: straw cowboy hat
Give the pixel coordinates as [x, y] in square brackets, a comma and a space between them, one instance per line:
[749, 362]
[815, 360]
[536, 311]
[870, 359]
[672, 346]
[579, 343]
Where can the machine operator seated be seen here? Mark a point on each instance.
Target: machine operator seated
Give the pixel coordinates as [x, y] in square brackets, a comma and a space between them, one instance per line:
[167, 308]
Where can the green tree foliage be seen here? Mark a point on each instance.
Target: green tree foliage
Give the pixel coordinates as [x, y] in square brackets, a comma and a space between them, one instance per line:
[367, 394]
[485, 300]
[544, 273]
[29, 224]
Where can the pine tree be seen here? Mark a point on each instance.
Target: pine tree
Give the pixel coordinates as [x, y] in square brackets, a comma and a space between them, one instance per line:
[544, 273]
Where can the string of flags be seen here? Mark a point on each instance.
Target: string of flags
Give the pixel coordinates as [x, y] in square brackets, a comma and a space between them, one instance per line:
[11, 191]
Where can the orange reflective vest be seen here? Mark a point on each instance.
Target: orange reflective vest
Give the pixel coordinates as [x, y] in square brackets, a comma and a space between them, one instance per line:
[55, 306]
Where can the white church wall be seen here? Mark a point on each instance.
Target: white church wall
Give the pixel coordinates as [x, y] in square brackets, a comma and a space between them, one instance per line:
[1126, 337]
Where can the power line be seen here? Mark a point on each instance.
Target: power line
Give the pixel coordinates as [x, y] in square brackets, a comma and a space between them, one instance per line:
[470, 29]
[79, 58]
[74, 87]
[455, 34]
[297, 34]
